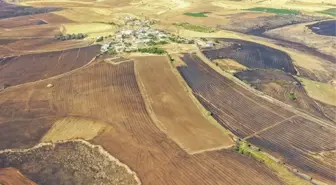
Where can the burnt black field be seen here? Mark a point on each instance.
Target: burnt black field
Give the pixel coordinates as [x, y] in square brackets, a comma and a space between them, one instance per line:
[244, 114]
[8, 10]
[252, 55]
[327, 28]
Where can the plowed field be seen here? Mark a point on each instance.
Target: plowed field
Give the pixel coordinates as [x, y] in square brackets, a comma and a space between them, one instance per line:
[110, 93]
[245, 114]
[33, 67]
[178, 116]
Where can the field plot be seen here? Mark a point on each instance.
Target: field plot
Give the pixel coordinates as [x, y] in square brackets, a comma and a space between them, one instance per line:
[12, 176]
[324, 28]
[20, 21]
[252, 55]
[72, 162]
[231, 105]
[10, 10]
[41, 31]
[110, 93]
[299, 143]
[287, 89]
[33, 67]
[177, 114]
[247, 115]
[14, 47]
[257, 23]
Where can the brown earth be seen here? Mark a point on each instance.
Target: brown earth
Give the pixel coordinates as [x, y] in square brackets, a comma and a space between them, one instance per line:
[32, 67]
[12, 176]
[14, 47]
[110, 93]
[176, 114]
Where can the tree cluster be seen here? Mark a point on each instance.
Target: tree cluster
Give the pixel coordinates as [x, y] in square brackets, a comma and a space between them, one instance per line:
[70, 36]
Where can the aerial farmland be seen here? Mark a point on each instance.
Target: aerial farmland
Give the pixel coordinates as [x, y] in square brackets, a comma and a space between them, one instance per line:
[167, 92]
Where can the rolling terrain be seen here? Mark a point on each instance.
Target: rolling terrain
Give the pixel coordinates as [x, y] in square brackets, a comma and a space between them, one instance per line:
[168, 92]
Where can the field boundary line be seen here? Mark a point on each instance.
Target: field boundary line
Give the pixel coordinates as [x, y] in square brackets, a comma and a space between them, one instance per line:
[269, 127]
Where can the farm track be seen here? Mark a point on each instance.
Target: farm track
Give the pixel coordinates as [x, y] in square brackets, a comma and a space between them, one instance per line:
[111, 94]
[246, 118]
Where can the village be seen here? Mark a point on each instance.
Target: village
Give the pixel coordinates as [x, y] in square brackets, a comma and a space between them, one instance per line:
[138, 34]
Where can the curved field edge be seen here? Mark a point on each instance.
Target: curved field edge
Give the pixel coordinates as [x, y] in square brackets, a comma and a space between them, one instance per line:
[97, 148]
[180, 118]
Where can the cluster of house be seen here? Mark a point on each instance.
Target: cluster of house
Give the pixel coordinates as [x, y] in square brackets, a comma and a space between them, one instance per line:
[143, 35]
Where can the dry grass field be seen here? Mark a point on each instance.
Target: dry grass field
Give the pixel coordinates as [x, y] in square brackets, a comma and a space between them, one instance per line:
[174, 110]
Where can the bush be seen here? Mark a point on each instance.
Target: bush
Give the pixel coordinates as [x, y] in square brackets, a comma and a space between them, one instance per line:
[292, 96]
[100, 39]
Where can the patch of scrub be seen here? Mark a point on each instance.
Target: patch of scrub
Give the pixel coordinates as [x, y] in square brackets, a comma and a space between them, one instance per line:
[73, 162]
[320, 91]
[275, 10]
[197, 14]
[74, 128]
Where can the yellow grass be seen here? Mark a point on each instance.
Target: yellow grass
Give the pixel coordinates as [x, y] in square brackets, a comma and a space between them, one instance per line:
[230, 65]
[73, 128]
[87, 14]
[92, 29]
[320, 91]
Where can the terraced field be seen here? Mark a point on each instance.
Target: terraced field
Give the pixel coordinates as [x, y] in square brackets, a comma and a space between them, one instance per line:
[252, 55]
[32, 67]
[247, 116]
[110, 93]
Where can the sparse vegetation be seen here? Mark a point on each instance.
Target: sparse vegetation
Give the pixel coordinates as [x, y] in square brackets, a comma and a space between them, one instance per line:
[197, 28]
[249, 150]
[275, 10]
[197, 14]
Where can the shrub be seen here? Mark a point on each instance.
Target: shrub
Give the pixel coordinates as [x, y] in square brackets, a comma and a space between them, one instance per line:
[292, 96]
